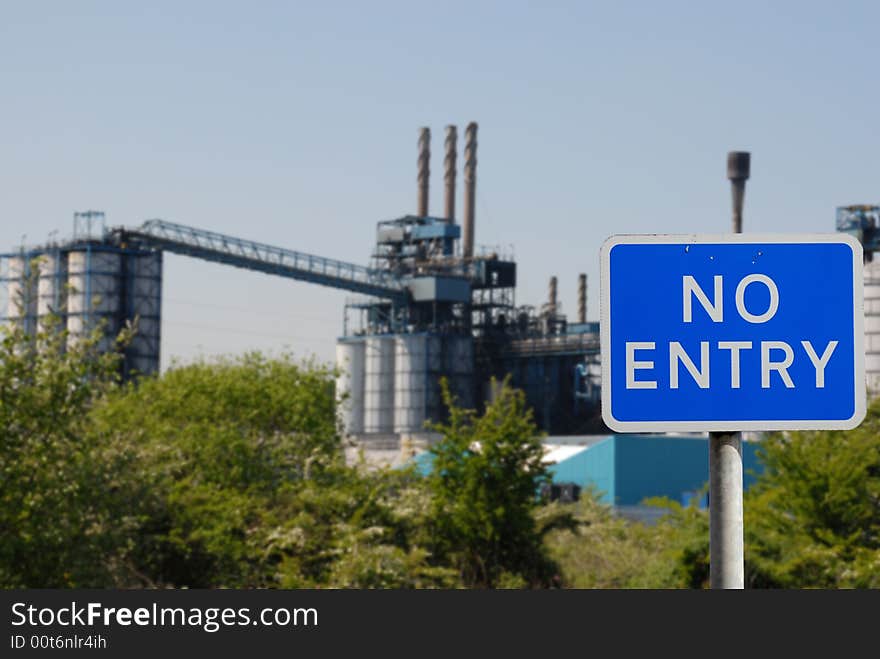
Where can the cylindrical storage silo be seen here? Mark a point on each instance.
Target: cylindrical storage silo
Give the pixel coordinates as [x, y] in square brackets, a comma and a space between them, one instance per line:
[410, 377]
[594, 378]
[459, 368]
[4, 288]
[435, 351]
[379, 385]
[21, 306]
[872, 327]
[350, 362]
[93, 279]
[144, 296]
[16, 294]
[50, 285]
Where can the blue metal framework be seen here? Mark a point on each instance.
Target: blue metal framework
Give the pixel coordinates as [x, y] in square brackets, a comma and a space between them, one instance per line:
[862, 222]
[212, 246]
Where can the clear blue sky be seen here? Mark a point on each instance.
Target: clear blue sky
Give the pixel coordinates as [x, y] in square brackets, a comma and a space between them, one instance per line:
[296, 124]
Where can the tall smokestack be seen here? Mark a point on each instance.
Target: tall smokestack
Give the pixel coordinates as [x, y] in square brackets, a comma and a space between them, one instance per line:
[470, 189]
[582, 298]
[738, 163]
[424, 164]
[551, 295]
[449, 174]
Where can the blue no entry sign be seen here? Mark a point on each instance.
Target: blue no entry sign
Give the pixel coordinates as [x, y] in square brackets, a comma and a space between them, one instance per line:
[732, 332]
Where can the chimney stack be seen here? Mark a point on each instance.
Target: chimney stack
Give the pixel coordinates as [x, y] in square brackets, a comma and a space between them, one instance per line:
[551, 296]
[449, 174]
[424, 164]
[738, 165]
[470, 189]
[582, 298]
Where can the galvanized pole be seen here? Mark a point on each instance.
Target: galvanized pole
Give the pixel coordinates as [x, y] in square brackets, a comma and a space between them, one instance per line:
[726, 569]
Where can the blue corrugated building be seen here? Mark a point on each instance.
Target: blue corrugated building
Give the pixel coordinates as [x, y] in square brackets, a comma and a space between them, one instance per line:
[627, 469]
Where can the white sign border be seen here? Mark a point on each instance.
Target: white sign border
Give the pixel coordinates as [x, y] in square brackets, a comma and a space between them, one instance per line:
[723, 239]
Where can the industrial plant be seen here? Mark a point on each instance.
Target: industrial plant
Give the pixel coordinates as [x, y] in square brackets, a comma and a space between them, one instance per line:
[430, 306]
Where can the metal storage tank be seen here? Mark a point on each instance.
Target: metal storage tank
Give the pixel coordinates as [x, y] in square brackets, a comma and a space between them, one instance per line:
[144, 295]
[379, 385]
[458, 367]
[872, 327]
[50, 285]
[4, 288]
[21, 304]
[350, 361]
[435, 347]
[410, 379]
[94, 278]
[594, 378]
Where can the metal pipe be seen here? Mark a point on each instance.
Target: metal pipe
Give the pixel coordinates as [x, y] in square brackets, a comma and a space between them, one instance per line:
[449, 174]
[470, 189]
[424, 173]
[551, 296]
[582, 298]
[726, 566]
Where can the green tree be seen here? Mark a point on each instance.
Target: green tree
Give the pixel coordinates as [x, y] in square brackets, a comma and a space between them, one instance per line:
[604, 550]
[813, 517]
[245, 484]
[57, 508]
[223, 448]
[486, 474]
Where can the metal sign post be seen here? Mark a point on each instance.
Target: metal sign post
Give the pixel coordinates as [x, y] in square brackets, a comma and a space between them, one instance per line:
[726, 561]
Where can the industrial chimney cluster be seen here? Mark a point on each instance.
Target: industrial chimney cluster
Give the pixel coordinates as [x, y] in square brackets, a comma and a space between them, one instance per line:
[460, 322]
[449, 176]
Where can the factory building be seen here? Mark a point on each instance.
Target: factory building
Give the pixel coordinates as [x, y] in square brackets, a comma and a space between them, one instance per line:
[430, 307]
[626, 470]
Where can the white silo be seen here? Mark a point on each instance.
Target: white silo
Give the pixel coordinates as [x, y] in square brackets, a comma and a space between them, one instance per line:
[94, 289]
[21, 304]
[350, 362]
[50, 285]
[144, 300]
[379, 385]
[410, 377]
